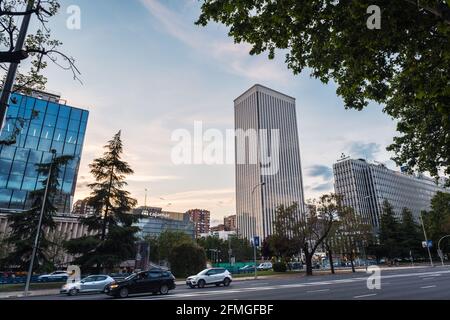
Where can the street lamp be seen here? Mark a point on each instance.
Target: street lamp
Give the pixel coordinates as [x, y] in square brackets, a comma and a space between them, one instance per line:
[38, 231]
[426, 239]
[441, 255]
[254, 219]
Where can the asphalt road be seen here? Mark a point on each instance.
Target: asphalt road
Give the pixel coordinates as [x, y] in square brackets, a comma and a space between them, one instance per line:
[406, 284]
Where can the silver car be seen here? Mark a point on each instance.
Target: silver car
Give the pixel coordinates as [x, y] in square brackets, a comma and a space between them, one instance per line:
[91, 284]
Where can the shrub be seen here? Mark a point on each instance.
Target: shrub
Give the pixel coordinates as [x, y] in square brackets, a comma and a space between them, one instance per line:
[279, 267]
[187, 259]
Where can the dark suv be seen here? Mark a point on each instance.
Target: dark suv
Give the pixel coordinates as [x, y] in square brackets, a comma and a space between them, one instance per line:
[152, 281]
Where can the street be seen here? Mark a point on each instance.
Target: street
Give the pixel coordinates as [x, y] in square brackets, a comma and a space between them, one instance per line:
[404, 284]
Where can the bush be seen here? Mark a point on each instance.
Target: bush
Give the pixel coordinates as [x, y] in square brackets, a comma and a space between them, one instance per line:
[279, 267]
[187, 259]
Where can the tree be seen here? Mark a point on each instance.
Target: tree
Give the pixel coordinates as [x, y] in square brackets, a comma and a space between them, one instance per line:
[403, 65]
[115, 235]
[389, 236]
[437, 220]
[39, 47]
[168, 240]
[187, 259]
[281, 242]
[410, 235]
[24, 224]
[353, 235]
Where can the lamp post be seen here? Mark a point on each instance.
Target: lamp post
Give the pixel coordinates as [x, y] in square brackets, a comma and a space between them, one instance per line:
[11, 76]
[38, 231]
[426, 240]
[439, 248]
[254, 219]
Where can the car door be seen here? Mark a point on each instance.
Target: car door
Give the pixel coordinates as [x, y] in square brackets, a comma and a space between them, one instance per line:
[141, 284]
[99, 283]
[210, 276]
[156, 280]
[87, 284]
[219, 276]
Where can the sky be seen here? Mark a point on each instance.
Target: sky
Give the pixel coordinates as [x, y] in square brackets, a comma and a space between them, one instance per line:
[148, 70]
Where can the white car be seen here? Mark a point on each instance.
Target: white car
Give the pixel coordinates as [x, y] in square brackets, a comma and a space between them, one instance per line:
[54, 276]
[264, 266]
[215, 276]
[91, 284]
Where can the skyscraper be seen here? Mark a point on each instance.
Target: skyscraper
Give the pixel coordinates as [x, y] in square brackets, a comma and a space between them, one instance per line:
[201, 219]
[365, 186]
[48, 123]
[267, 152]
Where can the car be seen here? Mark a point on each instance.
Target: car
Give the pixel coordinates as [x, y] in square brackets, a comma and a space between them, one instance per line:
[54, 276]
[265, 266]
[90, 284]
[247, 268]
[216, 276]
[153, 281]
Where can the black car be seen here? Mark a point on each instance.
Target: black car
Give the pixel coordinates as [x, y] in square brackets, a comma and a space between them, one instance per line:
[152, 281]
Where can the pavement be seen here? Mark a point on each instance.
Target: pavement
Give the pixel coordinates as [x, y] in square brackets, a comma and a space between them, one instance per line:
[406, 283]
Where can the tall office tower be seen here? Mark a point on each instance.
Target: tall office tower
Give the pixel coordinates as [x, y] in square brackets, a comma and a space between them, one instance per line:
[365, 186]
[48, 124]
[267, 152]
[201, 219]
[230, 223]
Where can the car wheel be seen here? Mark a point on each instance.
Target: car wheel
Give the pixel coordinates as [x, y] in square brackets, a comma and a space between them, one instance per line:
[73, 292]
[164, 289]
[201, 284]
[191, 286]
[123, 293]
[226, 282]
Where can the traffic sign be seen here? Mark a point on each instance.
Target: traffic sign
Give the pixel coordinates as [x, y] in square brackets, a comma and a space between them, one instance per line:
[256, 241]
[428, 244]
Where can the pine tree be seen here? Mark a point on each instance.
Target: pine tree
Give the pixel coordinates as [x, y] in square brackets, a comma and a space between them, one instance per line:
[411, 237]
[389, 236]
[24, 224]
[114, 236]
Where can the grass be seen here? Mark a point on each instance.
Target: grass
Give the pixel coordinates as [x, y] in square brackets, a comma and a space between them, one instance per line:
[33, 286]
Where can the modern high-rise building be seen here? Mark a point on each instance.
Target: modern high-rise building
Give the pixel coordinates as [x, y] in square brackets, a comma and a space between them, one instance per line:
[82, 208]
[201, 219]
[267, 152]
[48, 124]
[365, 186]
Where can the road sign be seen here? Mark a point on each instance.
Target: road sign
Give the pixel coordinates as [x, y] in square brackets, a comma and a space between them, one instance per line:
[428, 244]
[256, 241]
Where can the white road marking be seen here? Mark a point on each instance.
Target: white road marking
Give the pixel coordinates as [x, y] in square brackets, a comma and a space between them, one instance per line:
[364, 296]
[321, 290]
[428, 287]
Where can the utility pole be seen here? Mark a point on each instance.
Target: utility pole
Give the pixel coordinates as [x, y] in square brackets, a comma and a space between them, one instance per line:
[38, 231]
[12, 71]
[426, 240]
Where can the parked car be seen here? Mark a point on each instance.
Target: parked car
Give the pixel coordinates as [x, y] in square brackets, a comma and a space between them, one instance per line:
[247, 268]
[296, 265]
[216, 276]
[265, 266]
[54, 276]
[152, 281]
[91, 284]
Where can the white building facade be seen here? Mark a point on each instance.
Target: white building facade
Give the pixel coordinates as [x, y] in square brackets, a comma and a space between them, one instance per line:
[365, 186]
[267, 152]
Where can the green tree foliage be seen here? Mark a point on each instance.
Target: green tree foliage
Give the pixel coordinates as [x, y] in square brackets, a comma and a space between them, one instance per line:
[437, 220]
[279, 267]
[24, 224]
[241, 248]
[411, 236]
[115, 236]
[403, 65]
[187, 259]
[389, 236]
[168, 240]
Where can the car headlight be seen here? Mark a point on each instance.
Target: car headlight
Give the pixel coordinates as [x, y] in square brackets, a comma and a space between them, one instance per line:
[113, 286]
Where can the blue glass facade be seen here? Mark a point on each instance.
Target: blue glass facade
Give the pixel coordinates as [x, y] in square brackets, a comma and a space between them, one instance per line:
[48, 125]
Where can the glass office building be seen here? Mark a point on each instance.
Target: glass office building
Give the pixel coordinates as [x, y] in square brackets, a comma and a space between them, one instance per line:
[47, 124]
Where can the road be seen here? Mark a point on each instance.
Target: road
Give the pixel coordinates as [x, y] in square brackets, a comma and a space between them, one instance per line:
[405, 284]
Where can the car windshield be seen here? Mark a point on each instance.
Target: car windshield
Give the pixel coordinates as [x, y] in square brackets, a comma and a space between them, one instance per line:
[203, 272]
[131, 276]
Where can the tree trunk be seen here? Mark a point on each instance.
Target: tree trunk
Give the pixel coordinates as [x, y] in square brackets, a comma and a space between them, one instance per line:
[353, 265]
[330, 259]
[309, 269]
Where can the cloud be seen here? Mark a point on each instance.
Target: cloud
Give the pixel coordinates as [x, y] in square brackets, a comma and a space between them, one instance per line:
[233, 57]
[322, 171]
[324, 187]
[367, 151]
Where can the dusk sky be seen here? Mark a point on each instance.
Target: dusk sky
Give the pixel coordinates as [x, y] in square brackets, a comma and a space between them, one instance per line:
[148, 70]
